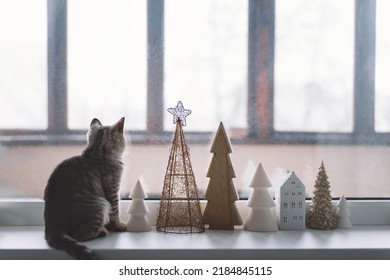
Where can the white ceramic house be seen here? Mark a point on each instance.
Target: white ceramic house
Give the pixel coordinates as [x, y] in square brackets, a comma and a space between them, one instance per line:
[291, 200]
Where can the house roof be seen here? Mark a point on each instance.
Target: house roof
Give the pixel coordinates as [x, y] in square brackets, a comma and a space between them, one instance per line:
[292, 177]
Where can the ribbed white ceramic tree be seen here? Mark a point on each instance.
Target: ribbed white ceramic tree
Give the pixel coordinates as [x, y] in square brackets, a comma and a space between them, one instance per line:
[138, 210]
[262, 214]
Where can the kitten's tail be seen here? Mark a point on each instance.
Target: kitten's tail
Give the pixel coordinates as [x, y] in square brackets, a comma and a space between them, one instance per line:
[71, 246]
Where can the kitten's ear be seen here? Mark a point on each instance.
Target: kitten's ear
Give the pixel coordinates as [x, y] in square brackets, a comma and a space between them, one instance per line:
[95, 122]
[119, 126]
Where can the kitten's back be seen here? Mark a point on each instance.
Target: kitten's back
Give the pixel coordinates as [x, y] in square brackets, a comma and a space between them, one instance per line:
[78, 192]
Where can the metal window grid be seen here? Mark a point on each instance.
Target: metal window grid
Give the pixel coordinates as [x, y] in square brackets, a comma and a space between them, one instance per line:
[260, 116]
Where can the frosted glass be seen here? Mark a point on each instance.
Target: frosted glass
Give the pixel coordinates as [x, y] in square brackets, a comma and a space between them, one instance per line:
[23, 64]
[107, 62]
[314, 49]
[206, 61]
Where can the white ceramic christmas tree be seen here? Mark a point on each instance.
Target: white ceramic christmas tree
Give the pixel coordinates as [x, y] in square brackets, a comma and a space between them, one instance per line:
[343, 214]
[262, 214]
[138, 210]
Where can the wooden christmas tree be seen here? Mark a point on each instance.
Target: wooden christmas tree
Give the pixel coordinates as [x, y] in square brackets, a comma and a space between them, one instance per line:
[343, 214]
[179, 205]
[221, 211]
[138, 210]
[262, 214]
[321, 214]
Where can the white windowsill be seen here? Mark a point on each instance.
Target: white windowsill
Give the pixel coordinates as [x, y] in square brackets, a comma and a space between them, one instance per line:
[361, 242]
[29, 212]
[22, 237]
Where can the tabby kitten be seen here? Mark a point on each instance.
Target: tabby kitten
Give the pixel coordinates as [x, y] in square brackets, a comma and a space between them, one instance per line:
[81, 195]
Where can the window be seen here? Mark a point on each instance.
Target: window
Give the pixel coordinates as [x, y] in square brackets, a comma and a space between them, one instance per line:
[106, 62]
[295, 82]
[382, 64]
[23, 90]
[203, 64]
[314, 65]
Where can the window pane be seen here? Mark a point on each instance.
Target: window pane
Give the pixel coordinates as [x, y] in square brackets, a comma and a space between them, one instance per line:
[314, 65]
[23, 56]
[107, 62]
[382, 83]
[206, 61]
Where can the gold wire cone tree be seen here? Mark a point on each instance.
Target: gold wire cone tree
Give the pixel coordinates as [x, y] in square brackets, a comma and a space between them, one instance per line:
[179, 205]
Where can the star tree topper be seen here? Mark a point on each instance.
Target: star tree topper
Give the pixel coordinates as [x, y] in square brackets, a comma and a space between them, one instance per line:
[179, 113]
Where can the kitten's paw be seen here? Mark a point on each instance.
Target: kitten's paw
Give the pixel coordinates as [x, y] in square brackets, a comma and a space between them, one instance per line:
[102, 232]
[121, 227]
[116, 227]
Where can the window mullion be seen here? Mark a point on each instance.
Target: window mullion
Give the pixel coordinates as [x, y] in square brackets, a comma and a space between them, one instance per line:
[57, 65]
[261, 68]
[155, 66]
[364, 80]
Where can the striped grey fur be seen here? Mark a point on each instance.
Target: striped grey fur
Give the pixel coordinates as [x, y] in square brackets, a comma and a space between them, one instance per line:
[81, 195]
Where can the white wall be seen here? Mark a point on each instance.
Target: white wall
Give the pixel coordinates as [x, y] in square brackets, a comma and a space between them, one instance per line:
[360, 171]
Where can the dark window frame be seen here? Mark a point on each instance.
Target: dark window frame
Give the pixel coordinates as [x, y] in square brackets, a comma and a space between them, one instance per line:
[260, 107]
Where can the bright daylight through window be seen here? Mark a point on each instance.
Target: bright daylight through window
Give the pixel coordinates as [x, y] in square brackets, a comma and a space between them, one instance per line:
[107, 62]
[295, 82]
[23, 56]
[382, 63]
[314, 65]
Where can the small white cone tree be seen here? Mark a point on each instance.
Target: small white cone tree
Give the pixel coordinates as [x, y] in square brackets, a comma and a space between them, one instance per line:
[262, 214]
[343, 214]
[138, 210]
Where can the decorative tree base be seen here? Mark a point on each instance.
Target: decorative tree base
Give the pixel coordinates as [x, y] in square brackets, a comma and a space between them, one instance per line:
[322, 223]
[261, 219]
[220, 219]
[344, 223]
[138, 223]
[188, 221]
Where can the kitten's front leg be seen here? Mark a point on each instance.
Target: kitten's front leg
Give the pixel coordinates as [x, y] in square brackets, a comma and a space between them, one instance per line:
[114, 223]
[111, 189]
